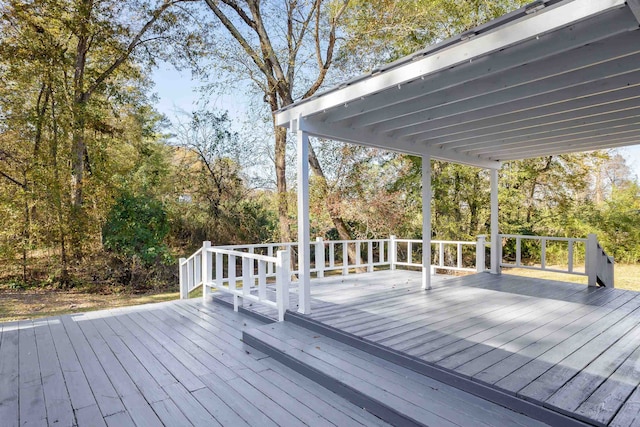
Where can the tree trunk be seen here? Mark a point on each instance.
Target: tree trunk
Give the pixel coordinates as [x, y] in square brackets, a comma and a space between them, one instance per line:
[281, 182]
[78, 146]
[334, 213]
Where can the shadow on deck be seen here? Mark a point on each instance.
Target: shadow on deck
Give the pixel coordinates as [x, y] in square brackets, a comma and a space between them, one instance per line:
[546, 348]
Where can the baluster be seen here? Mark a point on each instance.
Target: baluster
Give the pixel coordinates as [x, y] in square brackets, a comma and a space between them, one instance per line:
[570, 260]
[282, 283]
[270, 265]
[262, 280]
[409, 252]
[459, 249]
[184, 288]
[247, 267]
[345, 258]
[370, 255]
[332, 254]
[219, 270]
[441, 254]
[358, 253]
[393, 252]
[518, 251]
[543, 253]
[232, 272]
[319, 257]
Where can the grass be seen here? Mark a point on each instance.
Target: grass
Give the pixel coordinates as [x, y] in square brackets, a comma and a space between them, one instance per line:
[627, 276]
[30, 304]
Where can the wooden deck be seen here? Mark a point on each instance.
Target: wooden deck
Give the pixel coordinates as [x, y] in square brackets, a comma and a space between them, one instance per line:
[174, 364]
[566, 347]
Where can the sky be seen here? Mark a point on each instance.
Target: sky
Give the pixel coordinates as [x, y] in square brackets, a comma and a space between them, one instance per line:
[178, 92]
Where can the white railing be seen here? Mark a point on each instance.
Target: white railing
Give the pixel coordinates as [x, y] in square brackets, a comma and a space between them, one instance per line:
[444, 249]
[598, 267]
[190, 273]
[218, 267]
[245, 271]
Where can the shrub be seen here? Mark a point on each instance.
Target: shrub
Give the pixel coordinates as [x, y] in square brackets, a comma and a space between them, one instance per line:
[136, 227]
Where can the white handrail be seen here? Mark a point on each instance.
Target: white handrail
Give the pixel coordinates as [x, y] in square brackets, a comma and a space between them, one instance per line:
[598, 266]
[219, 272]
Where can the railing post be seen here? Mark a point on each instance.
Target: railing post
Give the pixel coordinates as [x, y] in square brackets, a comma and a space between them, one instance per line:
[393, 252]
[182, 270]
[319, 257]
[480, 253]
[370, 256]
[282, 282]
[206, 269]
[591, 260]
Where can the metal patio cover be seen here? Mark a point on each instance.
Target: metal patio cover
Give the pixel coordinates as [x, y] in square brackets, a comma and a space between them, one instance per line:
[554, 77]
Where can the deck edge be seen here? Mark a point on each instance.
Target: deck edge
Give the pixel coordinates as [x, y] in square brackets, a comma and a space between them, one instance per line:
[430, 370]
[371, 405]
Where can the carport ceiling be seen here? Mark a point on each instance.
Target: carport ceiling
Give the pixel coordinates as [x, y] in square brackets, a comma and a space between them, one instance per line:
[553, 77]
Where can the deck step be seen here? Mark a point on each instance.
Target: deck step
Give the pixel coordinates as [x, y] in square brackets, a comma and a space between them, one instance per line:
[446, 377]
[395, 394]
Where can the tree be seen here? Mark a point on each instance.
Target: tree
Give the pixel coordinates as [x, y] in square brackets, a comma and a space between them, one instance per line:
[286, 51]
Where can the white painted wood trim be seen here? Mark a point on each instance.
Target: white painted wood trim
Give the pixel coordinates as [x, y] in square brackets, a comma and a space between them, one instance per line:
[304, 239]
[426, 222]
[496, 245]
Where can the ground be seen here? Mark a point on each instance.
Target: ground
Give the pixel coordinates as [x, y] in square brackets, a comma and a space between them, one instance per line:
[18, 304]
[29, 304]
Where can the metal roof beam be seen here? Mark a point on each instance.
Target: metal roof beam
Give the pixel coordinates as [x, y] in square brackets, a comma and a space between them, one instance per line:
[597, 55]
[580, 95]
[529, 90]
[628, 115]
[602, 137]
[553, 18]
[558, 137]
[574, 148]
[538, 116]
[538, 48]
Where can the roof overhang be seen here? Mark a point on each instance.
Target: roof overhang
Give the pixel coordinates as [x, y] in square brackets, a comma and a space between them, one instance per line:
[554, 77]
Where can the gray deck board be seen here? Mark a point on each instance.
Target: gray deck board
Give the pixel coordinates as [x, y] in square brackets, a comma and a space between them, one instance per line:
[614, 391]
[105, 394]
[432, 403]
[31, 397]
[417, 384]
[494, 355]
[174, 364]
[56, 396]
[584, 374]
[563, 345]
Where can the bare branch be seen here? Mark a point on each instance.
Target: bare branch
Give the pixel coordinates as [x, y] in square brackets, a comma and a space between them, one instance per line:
[135, 42]
[255, 57]
[329, 51]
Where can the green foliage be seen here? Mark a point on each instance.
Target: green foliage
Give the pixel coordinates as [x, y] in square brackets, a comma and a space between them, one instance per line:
[136, 228]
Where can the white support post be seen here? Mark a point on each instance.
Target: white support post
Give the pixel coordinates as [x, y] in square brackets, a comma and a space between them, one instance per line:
[282, 282]
[496, 246]
[304, 240]
[426, 221]
[184, 287]
[591, 264]
[207, 275]
[393, 252]
[319, 257]
[369, 256]
[480, 251]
